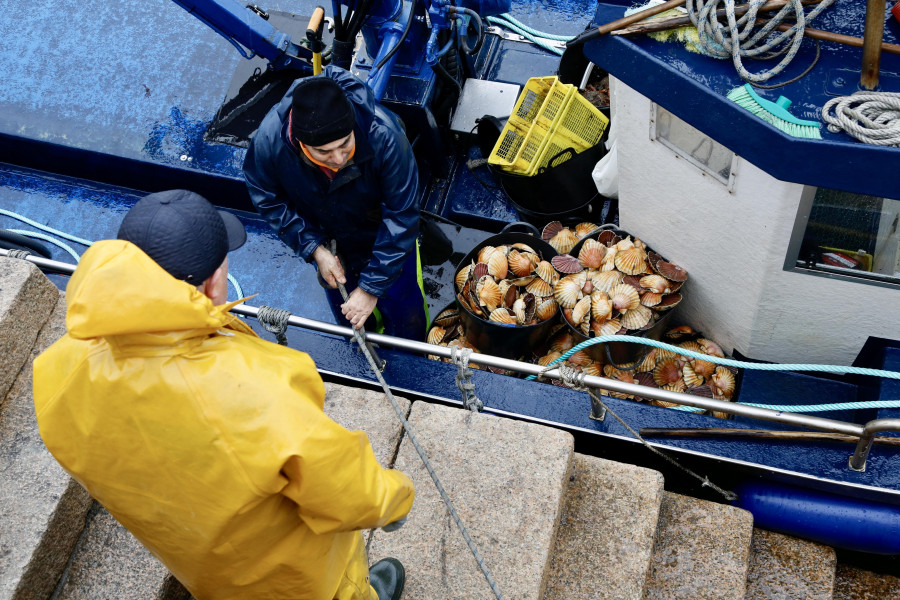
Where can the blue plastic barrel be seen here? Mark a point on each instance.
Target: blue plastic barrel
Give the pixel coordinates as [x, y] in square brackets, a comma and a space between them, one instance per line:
[838, 521]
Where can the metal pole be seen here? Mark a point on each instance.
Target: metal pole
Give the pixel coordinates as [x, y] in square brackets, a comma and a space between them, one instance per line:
[872, 38]
[858, 460]
[531, 369]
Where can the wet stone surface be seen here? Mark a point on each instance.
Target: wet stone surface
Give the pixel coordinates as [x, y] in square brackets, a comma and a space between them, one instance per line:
[787, 568]
[851, 583]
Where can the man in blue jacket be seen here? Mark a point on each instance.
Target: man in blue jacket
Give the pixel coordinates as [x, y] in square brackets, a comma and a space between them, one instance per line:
[329, 164]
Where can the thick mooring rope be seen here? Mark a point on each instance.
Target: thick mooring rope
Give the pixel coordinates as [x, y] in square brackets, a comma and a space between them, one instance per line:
[274, 320]
[739, 40]
[460, 358]
[870, 117]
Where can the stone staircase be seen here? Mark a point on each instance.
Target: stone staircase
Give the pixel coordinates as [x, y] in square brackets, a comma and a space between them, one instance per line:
[551, 524]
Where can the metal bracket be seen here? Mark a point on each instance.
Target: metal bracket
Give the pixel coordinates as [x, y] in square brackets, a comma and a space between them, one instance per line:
[598, 411]
[262, 13]
[515, 37]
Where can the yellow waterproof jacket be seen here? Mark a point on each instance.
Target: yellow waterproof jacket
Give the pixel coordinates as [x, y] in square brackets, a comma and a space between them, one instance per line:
[206, 442]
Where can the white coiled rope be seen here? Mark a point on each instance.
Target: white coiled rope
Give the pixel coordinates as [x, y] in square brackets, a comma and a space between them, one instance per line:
[870, 117]
[738, 40]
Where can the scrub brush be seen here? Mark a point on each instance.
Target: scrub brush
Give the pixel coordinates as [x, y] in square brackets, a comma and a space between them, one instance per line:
[774, 112]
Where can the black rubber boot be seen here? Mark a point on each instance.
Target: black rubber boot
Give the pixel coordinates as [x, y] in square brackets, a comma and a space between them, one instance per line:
[387, 576]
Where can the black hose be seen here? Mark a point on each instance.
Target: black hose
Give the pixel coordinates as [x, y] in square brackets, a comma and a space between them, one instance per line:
[14, 241]
[440, 70]
[338, 20]
[393, 51]
[479, 26]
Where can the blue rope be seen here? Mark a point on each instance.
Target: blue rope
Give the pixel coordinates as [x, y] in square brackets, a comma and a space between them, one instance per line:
[747, 365]
[536, 40]
[46, 228]
[534, 32]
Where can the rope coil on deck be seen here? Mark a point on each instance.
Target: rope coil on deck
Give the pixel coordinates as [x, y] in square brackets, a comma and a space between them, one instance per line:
[870, 117]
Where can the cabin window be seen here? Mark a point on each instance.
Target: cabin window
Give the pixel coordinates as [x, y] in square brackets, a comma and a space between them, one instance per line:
[843, 234]
[712, 158]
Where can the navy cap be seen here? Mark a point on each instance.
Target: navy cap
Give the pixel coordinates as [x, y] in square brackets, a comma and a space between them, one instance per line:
[320, 112]
[183, 233]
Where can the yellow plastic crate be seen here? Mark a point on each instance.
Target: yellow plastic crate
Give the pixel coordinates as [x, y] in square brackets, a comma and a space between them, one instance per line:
[549, 117]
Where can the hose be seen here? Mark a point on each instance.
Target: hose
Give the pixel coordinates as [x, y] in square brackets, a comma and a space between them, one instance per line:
[478, 24]
[47, 238]
[409, 20]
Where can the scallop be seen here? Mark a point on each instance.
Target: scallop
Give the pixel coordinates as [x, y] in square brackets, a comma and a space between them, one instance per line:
[606, 280]
[545, 271]
[539, 287]
[680, 332]
[645, 379]
[523, 248]
[655, 283]
[580, 358]
[522, 281]
[593, 368]
[691, 377]
[650, 299]
[519, 263]
[563, 342]
[704, 368]
[546, 309]
[648, 363]
[461, 277]
[601, 305]
[671, 271]
[581, 310]
[503, 315]
[488, 293]
[624, 298]
[564, 241]
[625, 244]
[567, 291]
[608, 327]
[636, 317]
[548, 358]
[692, 346]
[634, 281]
[610, 372]
[722, 382]
[518, 309]
[436, 335]
[668, 301]
[447, 318]
[497, 264]
[678, 386]
[566, 263]
[608, 238]
[667, 372]
[631, 261]
[591, 254]
[583, 229]
[485, 253]
[550, 230]
[609, 261]
[710, 347]
[480, 270]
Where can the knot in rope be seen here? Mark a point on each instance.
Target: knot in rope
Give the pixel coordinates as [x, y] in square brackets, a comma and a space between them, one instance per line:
[460, 357]
[737, 39]
[274, 320]
[573, 377]
[21, 254]
[870, 117]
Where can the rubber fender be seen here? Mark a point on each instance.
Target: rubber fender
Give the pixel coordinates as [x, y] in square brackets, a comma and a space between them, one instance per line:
[837, 521]
[14, 241]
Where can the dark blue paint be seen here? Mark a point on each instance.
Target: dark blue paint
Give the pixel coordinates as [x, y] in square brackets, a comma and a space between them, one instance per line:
[694, 87]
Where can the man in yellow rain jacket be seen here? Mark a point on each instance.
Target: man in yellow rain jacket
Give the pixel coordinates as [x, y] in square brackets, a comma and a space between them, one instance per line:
[207, 443]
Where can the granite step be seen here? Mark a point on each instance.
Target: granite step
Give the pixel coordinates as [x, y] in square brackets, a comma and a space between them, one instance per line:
[701, 552]
[852, 583]
[606, 534]
[42, 510]
[26, 300]
[507, 480]
[786, 568]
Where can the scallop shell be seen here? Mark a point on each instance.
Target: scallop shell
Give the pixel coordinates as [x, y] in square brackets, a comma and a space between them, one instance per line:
[581, 309]
[678, 386]
[631, 261]
[566, 263]
[519, 263]
[485, 253]
[436, 335]
[601, 305]
[653, 258]
[606, 280]
[545, 271]
[692, 346]
[548, 358]
[640, 244]
[447, 318]
[722, 382]
[667, 372]
[668, 301]
[488, 293]
[710, 347]
[634, 281]
[564, 241]
[593, 368]
[608, 327]
[546, 309]
[704, 368]
[518, 309]
[523, 248]
[503, 315]
[591, 254]
[625, 244]
[608, 238]
[612, 373]
[648, 363]
[691, 377]
[567, 291]
[636, 317]
[461, 277]
[609, 261]
[562, 342]
[645, 379]
[529, 308]
[582, 229]
[655, 283]
[550, 230]
[522, 281]
[539, 287]
[580, 358]
[498, 265]
[650, 299]
[624, 297]
[671, 271]
[480, 270]
[703, 391]
[680, 332]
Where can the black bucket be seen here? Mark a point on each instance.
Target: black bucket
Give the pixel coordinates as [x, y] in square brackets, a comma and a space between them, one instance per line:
[620, 354]
[503, 340]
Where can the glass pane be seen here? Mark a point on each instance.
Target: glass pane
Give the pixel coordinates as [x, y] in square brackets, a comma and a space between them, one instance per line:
[690, 143]
[853, 234]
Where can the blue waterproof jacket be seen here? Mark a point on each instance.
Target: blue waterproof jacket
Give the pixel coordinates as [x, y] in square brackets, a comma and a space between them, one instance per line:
[370, 207]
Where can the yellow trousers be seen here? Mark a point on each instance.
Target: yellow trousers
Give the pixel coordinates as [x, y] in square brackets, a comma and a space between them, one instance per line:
[355, 582]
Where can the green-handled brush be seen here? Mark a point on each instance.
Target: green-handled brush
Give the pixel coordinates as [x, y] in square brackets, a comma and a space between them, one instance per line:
[774, 112]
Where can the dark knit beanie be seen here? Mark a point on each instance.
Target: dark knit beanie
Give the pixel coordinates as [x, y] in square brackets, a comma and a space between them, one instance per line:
[321, 112]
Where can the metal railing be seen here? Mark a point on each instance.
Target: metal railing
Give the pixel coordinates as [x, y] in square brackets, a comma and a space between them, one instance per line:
[857, 461]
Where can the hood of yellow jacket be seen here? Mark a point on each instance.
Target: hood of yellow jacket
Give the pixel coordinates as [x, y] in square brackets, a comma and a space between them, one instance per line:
[117, 290]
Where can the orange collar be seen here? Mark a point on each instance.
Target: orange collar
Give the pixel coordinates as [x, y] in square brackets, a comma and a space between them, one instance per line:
[305, 151]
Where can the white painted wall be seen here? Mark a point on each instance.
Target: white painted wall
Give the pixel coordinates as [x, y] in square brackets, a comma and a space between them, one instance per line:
[734, 246]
